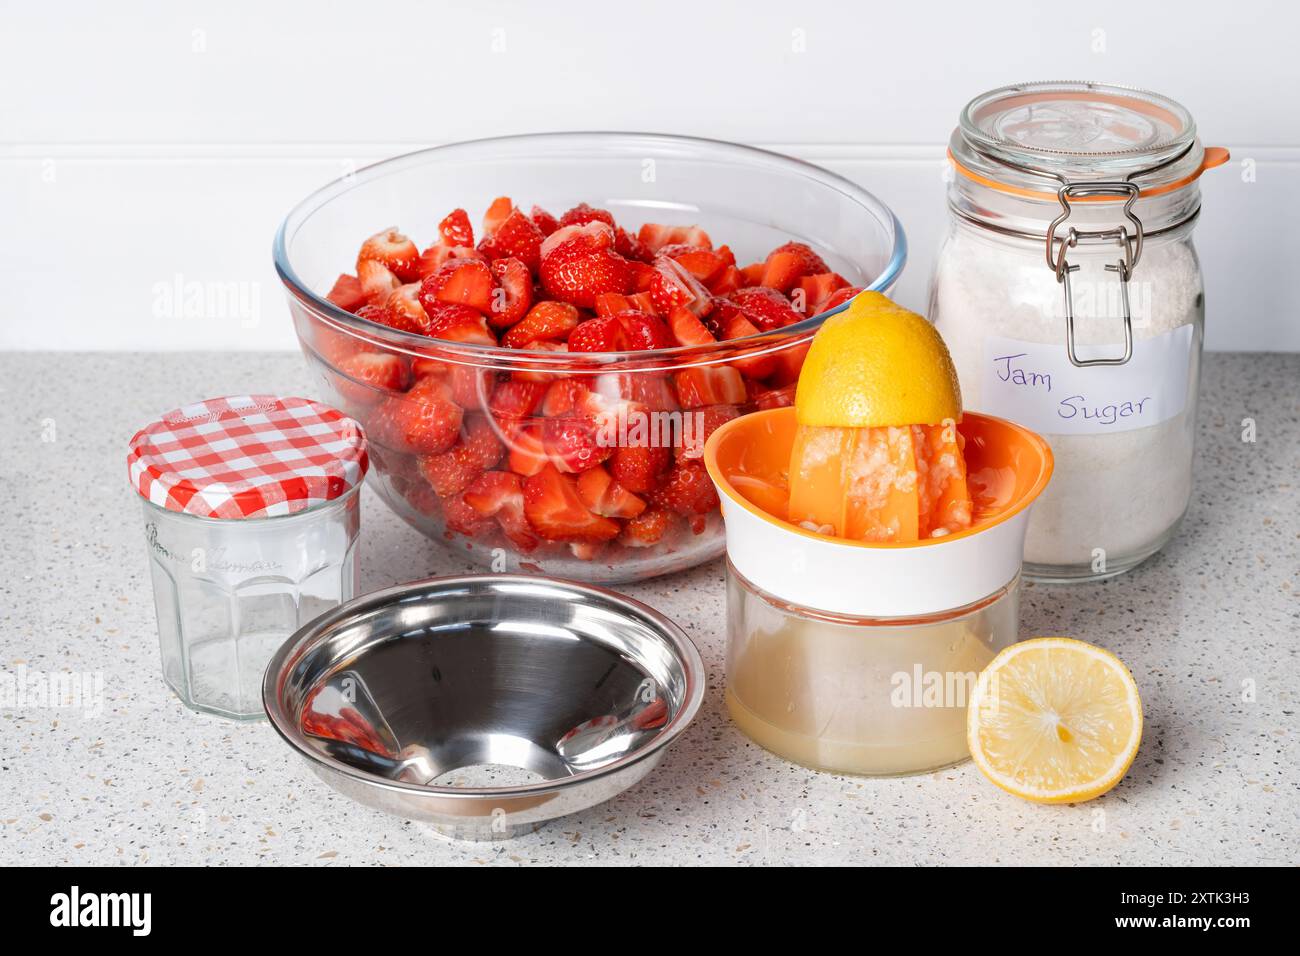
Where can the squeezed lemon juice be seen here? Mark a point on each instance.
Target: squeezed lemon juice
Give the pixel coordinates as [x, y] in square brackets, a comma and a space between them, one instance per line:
[873, 696]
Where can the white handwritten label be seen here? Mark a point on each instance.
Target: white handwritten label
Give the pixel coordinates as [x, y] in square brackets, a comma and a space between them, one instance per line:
[1034, 384]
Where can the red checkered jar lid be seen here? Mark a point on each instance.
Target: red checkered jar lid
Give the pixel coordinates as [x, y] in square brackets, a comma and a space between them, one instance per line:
[248, 456]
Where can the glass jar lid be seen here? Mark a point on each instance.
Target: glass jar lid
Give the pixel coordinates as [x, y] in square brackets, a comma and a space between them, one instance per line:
[1031, 137]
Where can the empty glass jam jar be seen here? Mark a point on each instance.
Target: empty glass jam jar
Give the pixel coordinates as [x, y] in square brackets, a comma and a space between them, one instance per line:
[251, 513]
[1070, 296]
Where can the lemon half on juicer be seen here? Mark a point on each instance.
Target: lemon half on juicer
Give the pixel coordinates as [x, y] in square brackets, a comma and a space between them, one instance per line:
[877, 456]
[877, 364]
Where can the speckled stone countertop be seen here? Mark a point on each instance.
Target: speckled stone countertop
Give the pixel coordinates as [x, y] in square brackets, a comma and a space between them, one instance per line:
[1209, 627]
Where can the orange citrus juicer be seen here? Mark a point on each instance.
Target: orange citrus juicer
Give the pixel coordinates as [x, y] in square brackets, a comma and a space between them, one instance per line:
[874, 540]
[875, 494]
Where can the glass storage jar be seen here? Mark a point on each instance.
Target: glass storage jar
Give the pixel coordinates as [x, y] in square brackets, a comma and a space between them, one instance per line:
[1070, 295]
[251, 512]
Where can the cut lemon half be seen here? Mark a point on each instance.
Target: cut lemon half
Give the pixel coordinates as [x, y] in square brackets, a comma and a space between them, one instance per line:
[1054, 720]
[875, 365]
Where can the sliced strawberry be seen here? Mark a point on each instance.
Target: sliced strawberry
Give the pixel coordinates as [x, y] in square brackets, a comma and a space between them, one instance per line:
[477, 450]
[456, 229]
[767, 308]
[727, 320]
[781, 397]
[645, 529]
[546, 321]
[656, 236]
[705, 264]
[447, 472]
[639, 468]
[460, 282]
[605, 496]
[500, 495]
[579, 264]
[752, 274]
[812, 292]
[376, 279]
[642, 300]
[563, 396]
[586, 550]
[698, 426]
[602, 334]
[728, 281]
[709, 385]
[605, 403]
[517, 237]
[394, 251]
[787, 264]
[527, 453]
[631, 330]
[424, 421]
[456, 323]
[607, 303]
[470, 386]
[582, 214]
[372, 374]
[543, 220]
[422, 499]
[496, 214]
[687, 329]
[573, 444]
[630, 247]
[644, 331]
[461, 518]
[672, 286]
[839, 297]
[789, 363]
[731, 323]
[654, 390]
[555, 511]
[403, 304]
[381, 313]
[513, 295]
[332, 345]
[540, 372]
[688, 491]
[516, 399]
[432, 259]
[643, 278]
[347, 293]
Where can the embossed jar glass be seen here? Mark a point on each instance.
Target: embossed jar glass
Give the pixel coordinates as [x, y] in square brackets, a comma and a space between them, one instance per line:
[251, 516]
[1070, 295]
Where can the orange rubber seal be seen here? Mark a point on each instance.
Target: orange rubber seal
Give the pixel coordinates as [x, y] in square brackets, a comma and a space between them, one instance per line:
[1214, 156]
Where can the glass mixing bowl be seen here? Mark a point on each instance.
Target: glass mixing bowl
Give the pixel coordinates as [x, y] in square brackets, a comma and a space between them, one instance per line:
[749, 199]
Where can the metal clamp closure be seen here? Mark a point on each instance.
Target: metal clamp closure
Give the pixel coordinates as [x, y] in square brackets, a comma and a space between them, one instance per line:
[1130, 243]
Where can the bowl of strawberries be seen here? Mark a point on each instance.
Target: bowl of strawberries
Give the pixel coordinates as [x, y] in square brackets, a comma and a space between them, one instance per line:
[540, 359]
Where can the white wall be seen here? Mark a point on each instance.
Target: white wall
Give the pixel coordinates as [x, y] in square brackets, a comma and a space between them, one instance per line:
[139, 148]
